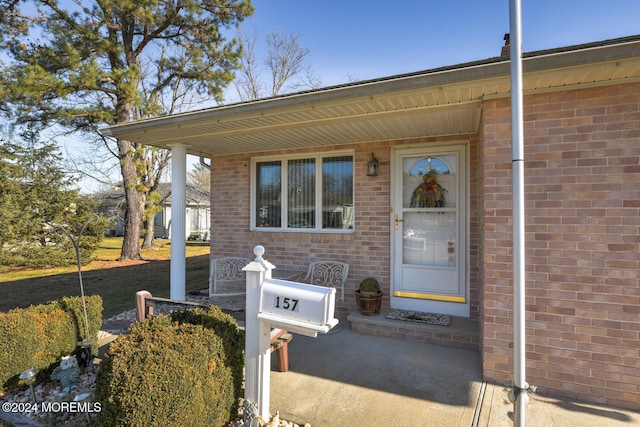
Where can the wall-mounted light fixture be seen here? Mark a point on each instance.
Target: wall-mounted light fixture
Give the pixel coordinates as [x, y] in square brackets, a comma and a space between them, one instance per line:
[372, 166]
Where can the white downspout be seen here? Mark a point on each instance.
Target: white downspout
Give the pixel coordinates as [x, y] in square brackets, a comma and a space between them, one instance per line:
[179, 221]
[520, 385]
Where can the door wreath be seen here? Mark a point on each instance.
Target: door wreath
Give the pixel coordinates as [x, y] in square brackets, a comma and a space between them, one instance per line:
[429, 194]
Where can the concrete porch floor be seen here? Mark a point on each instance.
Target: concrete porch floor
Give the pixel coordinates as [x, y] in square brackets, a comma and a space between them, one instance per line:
[351, 379]
[356, 380]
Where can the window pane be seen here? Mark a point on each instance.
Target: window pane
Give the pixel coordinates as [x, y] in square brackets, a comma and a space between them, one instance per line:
[192, 216]
[430, 238]
[301, 193]
[430, 182]
[268, 197]
[157, 220]
[337, 192]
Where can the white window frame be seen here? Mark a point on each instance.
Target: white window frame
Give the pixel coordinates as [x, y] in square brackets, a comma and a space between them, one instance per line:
[284, 159]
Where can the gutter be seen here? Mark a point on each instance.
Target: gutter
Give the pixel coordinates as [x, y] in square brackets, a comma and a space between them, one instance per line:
[591, 53]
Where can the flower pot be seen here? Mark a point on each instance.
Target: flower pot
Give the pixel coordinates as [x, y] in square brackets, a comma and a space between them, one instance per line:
[369, 303]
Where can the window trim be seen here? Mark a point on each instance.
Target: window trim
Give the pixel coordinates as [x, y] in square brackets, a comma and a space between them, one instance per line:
[284, 159]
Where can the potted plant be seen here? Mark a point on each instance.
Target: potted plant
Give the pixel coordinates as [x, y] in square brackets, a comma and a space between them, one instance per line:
[369, 297]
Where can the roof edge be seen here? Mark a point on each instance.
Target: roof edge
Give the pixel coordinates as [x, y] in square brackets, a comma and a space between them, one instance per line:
[617, 48]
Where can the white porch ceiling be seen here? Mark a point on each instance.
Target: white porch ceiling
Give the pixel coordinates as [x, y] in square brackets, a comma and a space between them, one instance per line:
[440, 102]
[315, 127]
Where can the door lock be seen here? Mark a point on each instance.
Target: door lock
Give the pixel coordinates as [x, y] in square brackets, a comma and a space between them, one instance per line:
[398, 220]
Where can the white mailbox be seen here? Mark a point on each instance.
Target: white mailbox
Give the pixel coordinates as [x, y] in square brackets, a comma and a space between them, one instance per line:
[298, 307]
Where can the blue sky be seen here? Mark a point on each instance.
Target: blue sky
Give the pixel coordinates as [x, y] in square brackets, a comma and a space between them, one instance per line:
[364, 39]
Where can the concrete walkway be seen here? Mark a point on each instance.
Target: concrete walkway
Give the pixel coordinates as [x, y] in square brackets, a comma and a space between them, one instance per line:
[548, 411]
[349, 379]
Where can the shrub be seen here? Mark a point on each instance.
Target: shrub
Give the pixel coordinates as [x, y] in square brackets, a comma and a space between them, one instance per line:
[227, 329]
[36, 337]
[94, 314]
[370, 285]
[165, 373]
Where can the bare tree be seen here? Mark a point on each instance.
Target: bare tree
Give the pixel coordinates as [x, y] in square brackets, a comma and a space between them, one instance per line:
[285, 58]
[284, 63]
[200, 177]
[247, 81]
[156, 163]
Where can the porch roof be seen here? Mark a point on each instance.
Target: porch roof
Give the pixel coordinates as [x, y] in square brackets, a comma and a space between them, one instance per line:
[437, 102]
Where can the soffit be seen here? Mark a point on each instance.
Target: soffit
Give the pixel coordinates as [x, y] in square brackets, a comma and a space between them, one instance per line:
[317, 126]
[435, 103]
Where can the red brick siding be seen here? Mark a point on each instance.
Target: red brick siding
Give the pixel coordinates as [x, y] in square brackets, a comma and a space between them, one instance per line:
[582, 179]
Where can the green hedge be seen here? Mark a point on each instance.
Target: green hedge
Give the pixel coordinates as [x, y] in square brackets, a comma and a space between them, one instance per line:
[226, 328]
[36, 337]
[165, 373]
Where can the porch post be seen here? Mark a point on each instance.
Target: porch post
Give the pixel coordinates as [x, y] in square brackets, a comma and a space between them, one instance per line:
[178, 221]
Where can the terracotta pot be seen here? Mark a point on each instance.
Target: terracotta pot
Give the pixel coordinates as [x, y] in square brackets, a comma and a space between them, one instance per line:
[369, 303]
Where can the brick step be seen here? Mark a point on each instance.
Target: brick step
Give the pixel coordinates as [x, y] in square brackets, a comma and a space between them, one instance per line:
[461, 332]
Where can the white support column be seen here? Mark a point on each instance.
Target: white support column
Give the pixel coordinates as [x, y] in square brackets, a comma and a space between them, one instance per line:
[257, 339]
[178, 221]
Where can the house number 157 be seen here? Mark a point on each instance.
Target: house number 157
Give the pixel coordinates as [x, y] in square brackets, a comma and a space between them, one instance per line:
[286, 303]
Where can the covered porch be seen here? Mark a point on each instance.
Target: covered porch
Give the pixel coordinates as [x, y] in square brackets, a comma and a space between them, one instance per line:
[357, 121]
[430, 109]
[435, 114]
[581, 109]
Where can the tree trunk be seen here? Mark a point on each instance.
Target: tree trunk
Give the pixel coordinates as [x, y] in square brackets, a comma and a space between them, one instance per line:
[135, 199]
[132, 225]
[149, 235]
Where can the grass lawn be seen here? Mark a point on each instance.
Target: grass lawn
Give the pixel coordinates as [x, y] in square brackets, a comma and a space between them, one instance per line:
[116, 281]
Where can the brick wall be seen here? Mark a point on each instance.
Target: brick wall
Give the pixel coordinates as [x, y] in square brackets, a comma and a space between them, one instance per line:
[367, 249]
[474, 229]
[582, 179]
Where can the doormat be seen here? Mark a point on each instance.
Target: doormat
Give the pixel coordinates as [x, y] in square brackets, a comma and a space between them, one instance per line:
[420, 317]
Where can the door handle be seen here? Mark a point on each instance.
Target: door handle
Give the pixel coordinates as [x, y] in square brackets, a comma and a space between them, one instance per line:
[398, 220]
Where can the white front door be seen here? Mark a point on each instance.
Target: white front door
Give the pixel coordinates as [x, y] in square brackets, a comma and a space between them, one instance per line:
[429, 241]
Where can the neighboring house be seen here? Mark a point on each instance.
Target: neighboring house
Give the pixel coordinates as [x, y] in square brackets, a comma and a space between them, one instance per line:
[434, 225]
[111, 203]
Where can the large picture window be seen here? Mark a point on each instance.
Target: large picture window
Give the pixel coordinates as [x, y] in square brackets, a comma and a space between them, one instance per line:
[310, 193]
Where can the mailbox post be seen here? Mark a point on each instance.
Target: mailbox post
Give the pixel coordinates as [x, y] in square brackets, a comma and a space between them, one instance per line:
[297, 307]
[257, 352]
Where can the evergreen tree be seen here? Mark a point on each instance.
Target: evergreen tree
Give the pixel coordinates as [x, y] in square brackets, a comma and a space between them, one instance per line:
[36, 203]
[82, 65]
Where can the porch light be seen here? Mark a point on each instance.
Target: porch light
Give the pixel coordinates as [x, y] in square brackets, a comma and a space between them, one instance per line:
[372, 166]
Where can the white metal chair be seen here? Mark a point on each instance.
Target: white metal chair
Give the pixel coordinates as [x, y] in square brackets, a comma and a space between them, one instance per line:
[328, 273]
[227, 271]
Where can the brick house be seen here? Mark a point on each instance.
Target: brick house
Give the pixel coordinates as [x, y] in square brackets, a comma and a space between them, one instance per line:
[434, 223]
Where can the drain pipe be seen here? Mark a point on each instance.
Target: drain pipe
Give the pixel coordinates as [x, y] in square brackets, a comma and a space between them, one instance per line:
[520, 386]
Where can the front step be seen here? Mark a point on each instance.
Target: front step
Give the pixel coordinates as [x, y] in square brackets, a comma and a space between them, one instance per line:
[461, 332]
